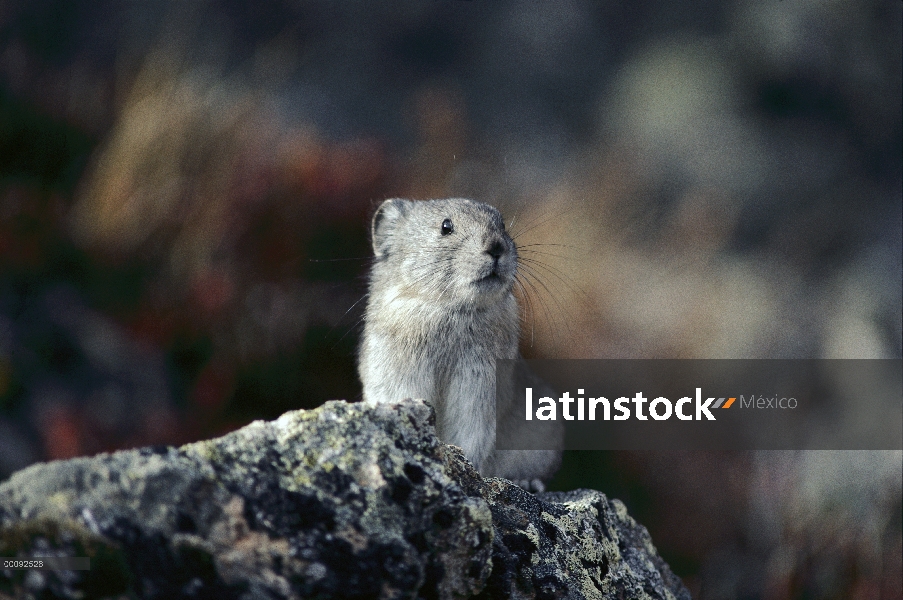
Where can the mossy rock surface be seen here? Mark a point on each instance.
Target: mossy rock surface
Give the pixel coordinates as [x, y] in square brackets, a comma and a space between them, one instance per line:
[344, 501]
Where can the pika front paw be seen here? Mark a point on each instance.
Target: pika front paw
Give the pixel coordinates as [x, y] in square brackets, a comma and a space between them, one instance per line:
[534, 486]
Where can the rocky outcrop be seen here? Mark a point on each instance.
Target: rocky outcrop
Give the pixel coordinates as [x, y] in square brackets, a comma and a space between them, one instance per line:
[345, 501]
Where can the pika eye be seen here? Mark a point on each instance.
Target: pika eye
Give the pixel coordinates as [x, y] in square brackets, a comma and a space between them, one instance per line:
[447, 227]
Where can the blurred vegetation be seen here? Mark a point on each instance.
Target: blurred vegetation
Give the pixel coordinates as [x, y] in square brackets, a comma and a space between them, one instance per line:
[185, 191]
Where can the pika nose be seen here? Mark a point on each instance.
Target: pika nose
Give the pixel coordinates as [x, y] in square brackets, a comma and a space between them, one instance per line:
[496, 249]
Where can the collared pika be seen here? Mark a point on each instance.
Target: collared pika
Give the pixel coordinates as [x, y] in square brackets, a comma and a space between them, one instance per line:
[440, 311]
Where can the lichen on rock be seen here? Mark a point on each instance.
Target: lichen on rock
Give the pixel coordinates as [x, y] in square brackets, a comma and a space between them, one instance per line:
[345, 501]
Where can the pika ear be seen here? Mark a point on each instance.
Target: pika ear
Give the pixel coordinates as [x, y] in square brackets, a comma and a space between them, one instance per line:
[385, 219]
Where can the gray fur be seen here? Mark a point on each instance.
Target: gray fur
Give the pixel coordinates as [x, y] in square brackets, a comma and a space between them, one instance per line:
[440, 311]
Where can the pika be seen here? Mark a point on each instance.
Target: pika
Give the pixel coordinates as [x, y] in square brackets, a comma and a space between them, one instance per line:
[441, 309]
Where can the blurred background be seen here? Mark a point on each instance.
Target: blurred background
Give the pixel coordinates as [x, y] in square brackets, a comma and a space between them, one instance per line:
[185, 190]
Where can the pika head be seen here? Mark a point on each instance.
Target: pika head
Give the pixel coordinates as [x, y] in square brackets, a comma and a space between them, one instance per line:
[452, 251]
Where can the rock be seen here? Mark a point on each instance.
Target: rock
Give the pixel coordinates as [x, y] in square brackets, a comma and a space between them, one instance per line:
[345, 501]
[573, 544]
